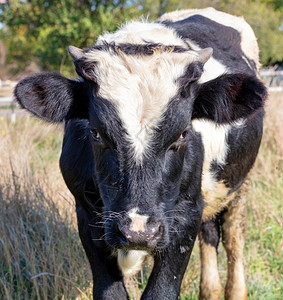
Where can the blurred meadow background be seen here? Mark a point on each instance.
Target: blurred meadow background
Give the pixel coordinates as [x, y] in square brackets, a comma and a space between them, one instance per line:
[41, 256]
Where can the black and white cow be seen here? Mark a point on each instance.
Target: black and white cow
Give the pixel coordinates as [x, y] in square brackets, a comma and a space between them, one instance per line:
[161, 131]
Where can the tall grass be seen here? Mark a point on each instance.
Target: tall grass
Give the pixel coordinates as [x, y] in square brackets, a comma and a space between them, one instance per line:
[264, 247]
[40, 253]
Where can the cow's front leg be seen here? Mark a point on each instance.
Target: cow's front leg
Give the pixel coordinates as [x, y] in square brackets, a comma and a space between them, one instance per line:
[210, 284]
[233, 237]
[107, 278]
[167, 274]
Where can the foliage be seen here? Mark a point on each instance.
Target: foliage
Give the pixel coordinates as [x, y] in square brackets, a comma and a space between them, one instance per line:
[265, 23]
[41, 30]
[265, 18]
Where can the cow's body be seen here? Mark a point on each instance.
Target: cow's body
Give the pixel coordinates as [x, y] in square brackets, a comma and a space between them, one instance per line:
[159, 138]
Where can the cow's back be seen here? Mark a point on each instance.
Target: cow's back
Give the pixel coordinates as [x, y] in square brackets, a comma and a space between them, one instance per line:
[232, 39]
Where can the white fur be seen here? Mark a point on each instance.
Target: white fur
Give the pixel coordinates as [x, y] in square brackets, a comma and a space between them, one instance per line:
[214, 139]
[215, 148]
[130, 262]
[184, 249]
[140, 86]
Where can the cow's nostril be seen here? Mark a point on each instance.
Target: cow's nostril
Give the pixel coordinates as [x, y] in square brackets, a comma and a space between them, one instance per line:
[155, 231]
[127, 222]
[153, 227]
[118, 228]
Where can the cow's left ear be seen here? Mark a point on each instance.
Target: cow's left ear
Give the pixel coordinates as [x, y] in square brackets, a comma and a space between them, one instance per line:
[52, 97]
[229, 97]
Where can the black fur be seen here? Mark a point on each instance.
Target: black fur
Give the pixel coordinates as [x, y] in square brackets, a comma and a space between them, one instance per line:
[192, 74]
[151, 186]
[229, 98]
[225, 41]
[145, 184]
[243, 144]
[99, 168]
[50, 96]
[136, 49]
[210, 232]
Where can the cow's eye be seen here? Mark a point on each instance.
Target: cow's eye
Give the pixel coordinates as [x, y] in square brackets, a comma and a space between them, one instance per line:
[178, 143]
[95, 135]
[183, 135]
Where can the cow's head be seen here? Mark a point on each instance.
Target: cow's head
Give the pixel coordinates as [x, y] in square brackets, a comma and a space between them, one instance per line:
[139, 101]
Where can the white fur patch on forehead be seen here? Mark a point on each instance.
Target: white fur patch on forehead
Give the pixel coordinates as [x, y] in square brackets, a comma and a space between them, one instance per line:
[141, 86]
[136, 32]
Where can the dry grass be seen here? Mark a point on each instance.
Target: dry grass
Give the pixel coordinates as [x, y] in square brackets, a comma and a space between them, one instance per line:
[264, 247]
[40, 253]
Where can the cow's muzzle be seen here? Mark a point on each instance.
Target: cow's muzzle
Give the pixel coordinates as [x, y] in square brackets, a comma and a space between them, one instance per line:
[148, 238]
[139, 231]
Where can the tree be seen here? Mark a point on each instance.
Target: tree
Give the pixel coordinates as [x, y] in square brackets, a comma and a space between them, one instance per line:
[41, 30]
[265, 18]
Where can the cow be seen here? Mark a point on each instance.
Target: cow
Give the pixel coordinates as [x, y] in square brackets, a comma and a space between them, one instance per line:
[161, 130]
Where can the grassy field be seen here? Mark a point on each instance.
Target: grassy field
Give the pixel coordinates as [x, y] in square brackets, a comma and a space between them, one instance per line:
[40, 253]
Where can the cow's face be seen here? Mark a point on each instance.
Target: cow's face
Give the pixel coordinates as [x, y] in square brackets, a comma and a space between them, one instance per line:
[140, 108]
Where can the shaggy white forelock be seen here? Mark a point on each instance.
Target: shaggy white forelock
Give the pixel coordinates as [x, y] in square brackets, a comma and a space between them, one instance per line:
[136, 32]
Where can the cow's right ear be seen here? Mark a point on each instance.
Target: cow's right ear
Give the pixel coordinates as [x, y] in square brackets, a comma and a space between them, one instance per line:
[229, 97]
[50, 96]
